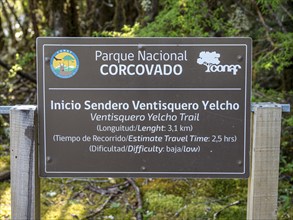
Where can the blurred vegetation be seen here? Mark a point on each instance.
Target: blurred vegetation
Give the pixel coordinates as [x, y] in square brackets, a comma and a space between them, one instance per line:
[267, 22]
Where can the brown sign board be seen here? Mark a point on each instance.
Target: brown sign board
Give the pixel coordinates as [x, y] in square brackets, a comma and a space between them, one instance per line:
[144, 107]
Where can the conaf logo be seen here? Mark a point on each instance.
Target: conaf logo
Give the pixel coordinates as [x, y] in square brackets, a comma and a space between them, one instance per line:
[212, 62]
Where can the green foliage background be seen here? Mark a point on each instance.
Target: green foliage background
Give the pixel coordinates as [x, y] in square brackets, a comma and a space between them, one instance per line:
[267, 22]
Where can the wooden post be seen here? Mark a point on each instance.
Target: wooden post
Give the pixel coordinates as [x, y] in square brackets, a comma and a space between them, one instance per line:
[263, 181]
[25, 190]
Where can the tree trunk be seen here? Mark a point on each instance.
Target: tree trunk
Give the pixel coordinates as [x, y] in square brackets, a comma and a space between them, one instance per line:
[25, 21]
[72, 25]
[32, 7]
[155, 9]
[2, 36]
[131, 10]
[287, 79]
[57, 14]
[91, 18]
[119, 18]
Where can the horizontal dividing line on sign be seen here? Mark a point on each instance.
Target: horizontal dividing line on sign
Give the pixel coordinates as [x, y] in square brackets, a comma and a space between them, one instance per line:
[145, 89]
[142, 45]
[176, 173]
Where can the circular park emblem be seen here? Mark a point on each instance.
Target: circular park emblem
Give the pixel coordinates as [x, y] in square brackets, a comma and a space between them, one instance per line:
[64, 63]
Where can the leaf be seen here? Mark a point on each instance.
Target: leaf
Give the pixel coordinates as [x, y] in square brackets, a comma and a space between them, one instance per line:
[115, 205]
[51, 194]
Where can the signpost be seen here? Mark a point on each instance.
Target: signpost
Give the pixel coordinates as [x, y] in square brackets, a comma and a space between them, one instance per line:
[144, 107]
